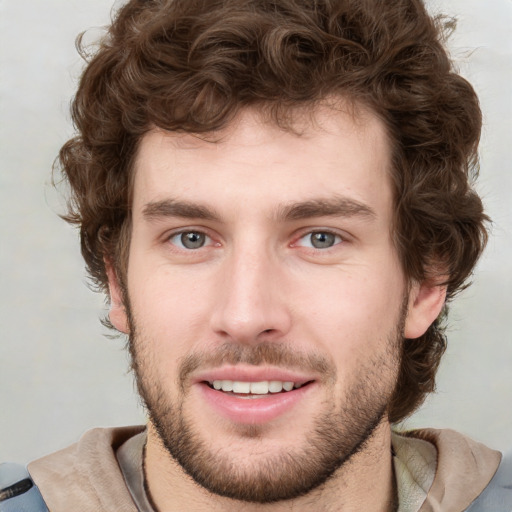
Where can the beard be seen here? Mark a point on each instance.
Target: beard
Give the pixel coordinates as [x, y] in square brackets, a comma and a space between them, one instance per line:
[337, 434]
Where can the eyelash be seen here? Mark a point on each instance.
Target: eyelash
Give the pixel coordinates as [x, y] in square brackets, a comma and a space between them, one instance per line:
[188, 231]
[338, 239]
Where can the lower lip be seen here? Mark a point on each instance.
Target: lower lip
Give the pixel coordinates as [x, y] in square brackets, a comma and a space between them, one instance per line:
[253, 411]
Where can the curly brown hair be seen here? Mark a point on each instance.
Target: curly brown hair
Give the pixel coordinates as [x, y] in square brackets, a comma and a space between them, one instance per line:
[192, 65]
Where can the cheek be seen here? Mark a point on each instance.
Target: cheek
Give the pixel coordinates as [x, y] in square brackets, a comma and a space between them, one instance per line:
[350, 314]
[167, 310]
[357, 299]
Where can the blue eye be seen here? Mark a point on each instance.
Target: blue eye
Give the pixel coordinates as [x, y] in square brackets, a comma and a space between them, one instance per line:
[190, 240]
[320, 240]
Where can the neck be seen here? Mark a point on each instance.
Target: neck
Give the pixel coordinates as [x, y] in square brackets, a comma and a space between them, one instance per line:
[365, 482]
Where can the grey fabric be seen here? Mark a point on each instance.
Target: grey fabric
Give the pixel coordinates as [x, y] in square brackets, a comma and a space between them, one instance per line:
[14, 479]
[130, 458]
[464, 469]
[86, 477]
[497, 496]
[415, 463]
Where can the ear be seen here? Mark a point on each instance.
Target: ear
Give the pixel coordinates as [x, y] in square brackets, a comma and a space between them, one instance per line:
[426, 300]
[117, 314]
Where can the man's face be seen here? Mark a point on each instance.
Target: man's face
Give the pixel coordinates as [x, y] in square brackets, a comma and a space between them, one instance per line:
[266, 300]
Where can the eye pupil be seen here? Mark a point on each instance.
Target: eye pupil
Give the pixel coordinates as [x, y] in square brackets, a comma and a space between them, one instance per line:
[192, 240]
[322, 240]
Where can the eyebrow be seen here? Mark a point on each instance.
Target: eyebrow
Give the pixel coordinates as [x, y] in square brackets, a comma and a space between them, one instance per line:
[338, 206]
[155, 210]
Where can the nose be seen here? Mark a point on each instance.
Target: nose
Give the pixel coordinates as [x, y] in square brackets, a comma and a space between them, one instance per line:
[251, 305]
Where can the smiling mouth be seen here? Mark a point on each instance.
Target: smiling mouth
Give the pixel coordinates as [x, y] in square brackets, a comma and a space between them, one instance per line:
[245, 389]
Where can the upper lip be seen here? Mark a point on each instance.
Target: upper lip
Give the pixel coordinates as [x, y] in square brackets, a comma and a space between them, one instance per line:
[246, 373]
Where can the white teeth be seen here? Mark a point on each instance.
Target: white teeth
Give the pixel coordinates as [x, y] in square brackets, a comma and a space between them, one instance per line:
[254, 388]
[287, 386]
[275, 386]
[226, 385]
[259, 388]
[241, 387]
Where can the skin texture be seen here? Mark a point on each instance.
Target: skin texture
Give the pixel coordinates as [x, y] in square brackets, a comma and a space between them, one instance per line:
[255, 295]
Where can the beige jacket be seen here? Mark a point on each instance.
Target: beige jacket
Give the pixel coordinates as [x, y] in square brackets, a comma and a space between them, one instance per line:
[86, 476]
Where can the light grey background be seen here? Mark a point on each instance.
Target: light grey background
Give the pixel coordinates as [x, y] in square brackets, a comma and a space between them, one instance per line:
[59, 375]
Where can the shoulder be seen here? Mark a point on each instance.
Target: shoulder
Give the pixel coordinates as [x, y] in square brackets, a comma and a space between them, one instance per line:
[468, 474]
[497, 496]
[18, 491]
[85, 476]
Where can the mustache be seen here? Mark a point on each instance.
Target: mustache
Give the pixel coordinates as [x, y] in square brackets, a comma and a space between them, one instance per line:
[256, 355]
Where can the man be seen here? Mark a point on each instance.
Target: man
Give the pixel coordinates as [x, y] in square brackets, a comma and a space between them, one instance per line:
[276, 197]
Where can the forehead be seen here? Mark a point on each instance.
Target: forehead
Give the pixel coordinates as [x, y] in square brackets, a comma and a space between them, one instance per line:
[252, 161]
